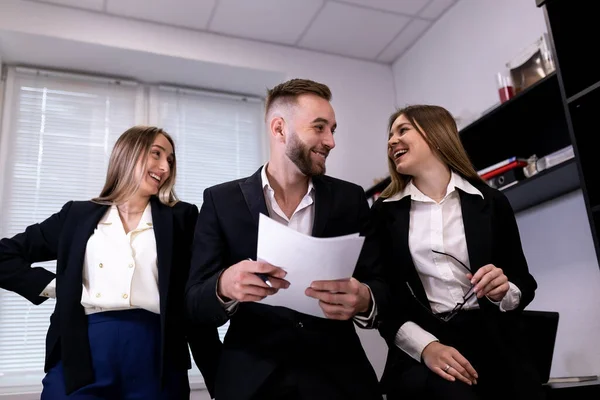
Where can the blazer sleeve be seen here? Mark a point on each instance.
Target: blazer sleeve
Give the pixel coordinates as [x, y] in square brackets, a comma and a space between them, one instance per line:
[204, 341]
[400, 304]
[202, 304]
[38, 243]
[370, 266]
[509, 251]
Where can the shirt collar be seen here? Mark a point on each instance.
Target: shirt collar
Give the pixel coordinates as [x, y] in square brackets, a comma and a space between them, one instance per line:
[456, 182]
[111, 218]
[266, 185]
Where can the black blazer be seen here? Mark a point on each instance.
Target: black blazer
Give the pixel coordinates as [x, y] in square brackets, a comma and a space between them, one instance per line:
[63, 237]
[260, 336]
[492, 237]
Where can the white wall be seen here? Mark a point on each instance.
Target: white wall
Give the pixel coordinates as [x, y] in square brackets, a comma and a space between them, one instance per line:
[1, 87]
[363, 93]
[558, 244]
[453, 65]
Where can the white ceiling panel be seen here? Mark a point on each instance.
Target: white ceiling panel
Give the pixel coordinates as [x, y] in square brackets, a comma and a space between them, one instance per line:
[409, 7]
[436, 8]
[375, 30]
[96, 5]
[356, 32]
[187, 13]
[281, 21]
[405, 39]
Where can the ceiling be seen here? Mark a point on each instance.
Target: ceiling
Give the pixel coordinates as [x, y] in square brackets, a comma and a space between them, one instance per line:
[374, 30]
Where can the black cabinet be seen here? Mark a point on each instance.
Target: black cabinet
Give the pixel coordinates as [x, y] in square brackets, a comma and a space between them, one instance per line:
[584, 113]
[573, 30]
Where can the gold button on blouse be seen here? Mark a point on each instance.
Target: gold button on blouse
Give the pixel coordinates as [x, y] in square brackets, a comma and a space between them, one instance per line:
[125, 295]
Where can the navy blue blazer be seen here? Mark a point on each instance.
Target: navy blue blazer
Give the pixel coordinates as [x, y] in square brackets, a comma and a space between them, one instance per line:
[63, 237]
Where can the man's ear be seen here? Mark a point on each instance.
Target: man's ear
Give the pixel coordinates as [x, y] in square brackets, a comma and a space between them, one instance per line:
[277, 128]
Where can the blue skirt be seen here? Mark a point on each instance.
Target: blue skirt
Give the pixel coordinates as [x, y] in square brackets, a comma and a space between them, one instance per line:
[125, 348]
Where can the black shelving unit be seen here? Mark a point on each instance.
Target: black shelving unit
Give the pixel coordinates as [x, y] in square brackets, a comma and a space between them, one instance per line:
[378, 188]
[572, 27]
[500, 107]
[544, 186]
[533, 122]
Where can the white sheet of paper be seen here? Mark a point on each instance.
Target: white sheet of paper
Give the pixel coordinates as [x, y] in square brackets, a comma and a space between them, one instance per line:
[305, 259]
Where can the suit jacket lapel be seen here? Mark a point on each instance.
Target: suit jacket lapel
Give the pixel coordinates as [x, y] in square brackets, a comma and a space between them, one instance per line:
[400, 224]
[477, 223]
[255, 200]
[323, 204]
[69, 281]
[162, 219]
[85, 228]
[254, 195]
[72, 319]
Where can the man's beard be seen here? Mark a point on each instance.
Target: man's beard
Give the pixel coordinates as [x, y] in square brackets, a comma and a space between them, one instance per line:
[300, 155]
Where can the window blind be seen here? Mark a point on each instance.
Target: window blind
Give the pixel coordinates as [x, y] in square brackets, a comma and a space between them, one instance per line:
[218, 138]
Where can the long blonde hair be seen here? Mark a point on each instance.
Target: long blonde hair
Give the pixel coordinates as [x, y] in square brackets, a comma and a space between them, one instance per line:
[121, 180]
[441, 136]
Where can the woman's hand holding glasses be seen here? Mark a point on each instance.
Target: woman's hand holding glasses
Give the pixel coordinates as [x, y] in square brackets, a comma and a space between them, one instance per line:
[448, 363]
[489, 281]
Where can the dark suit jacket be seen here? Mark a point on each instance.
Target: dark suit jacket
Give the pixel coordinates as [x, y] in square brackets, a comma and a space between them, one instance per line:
[492, 237]
[63, 237]
[262, 337]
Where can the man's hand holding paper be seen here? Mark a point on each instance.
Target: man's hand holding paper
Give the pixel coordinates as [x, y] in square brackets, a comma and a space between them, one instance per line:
[240, 281]
[341, 299]
[319, 271]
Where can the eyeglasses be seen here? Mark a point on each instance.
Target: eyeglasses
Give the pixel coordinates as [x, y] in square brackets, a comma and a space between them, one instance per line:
[447, 316]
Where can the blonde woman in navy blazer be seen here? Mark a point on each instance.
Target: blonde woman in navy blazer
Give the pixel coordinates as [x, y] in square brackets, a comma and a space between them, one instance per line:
[118, 330]
[450, 245]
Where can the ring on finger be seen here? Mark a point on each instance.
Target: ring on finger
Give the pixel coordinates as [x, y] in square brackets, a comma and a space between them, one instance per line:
[447, 368]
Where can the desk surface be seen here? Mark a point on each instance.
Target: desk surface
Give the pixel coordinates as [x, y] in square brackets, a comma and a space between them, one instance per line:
[574, 384]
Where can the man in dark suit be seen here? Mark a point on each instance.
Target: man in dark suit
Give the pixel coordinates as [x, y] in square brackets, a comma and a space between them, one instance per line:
[274, 352]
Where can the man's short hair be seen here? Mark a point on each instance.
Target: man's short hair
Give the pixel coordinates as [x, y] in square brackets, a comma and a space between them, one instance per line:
[288, 92]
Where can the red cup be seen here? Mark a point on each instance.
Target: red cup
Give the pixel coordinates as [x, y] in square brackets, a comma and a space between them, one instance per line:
[506, 89]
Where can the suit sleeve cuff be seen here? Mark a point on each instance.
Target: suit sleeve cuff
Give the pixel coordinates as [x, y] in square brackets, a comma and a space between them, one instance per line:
[367, 321]
[511, 300]
[230, 306]
[412, 339]
[50, 290]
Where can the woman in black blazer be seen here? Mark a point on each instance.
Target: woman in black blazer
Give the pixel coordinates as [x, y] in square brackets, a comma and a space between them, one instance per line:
[118, 330]
[451, 247]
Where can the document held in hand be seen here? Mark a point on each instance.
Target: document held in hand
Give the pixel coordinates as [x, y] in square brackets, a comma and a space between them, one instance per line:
[305, 259]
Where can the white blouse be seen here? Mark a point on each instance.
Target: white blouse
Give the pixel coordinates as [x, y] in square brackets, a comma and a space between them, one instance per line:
[120, 270]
